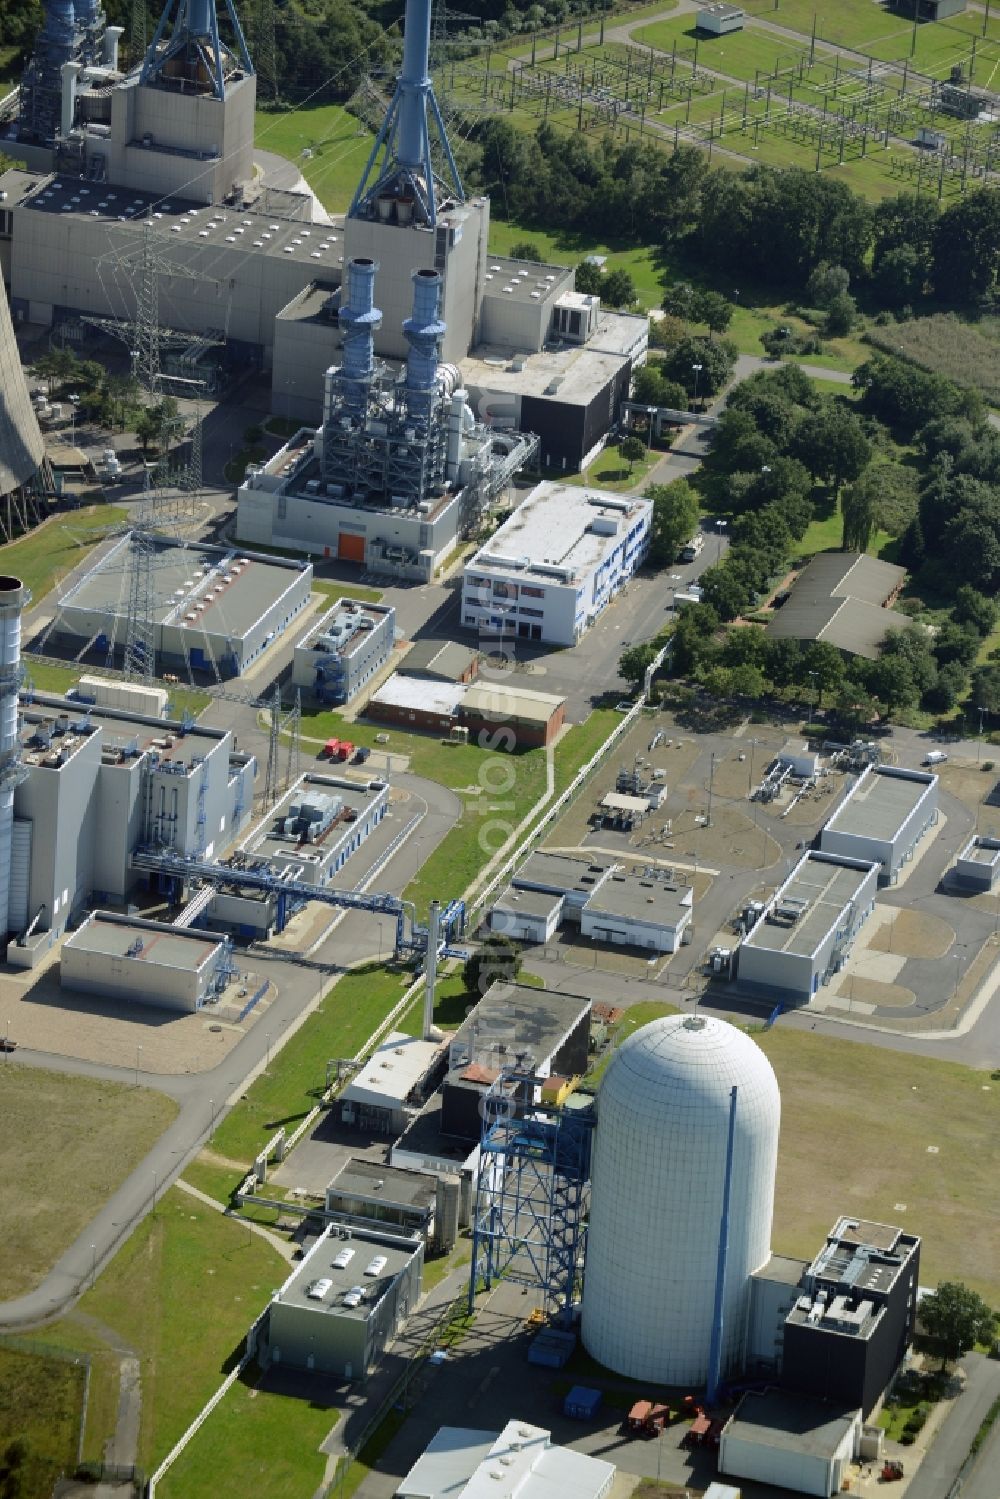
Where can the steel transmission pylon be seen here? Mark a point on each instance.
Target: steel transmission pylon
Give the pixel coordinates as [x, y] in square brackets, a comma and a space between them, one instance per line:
[139, 626]
[293, 727]
[146, 334]
[273, 748]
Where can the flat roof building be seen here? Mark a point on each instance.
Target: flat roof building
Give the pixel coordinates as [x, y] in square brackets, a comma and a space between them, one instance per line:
[852, 1323]
[557, 561]
[374, 1195]
[495, 715]
[844, 598]
[145, 962]
[631, 910]
[978, 864]
[103, 783]
[416, 703]
[338, 1310]
[513, 1025]
[790, 1441]
[215, 610]
[392, 1086]
[720, 18]
[808, 927]
[344, 650]
[520, 1462]
[882, 817]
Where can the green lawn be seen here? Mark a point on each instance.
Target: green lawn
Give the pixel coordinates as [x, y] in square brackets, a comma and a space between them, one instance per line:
[339, 143]
[339, 1027]
[741, 55]
[52, 550]
[257, 1440]
[183, 1292]
[827, 535]
[333, 591]
[67, 1144]
[41, 1403]
[848, 23]
[47, 676]
[884, 1110]
[611, 472]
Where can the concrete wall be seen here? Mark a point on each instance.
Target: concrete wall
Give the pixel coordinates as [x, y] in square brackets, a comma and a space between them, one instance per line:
[632, 931]
[801, 1471]
[202, 148]
[54, 265]
[62, 809]
[522, 926]
[138, 979]
[457, 248]
[312, 669]
[303, 352]
[770, 1303]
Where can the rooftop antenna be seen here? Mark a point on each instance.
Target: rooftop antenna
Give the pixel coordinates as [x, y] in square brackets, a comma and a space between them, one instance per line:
[406, 178]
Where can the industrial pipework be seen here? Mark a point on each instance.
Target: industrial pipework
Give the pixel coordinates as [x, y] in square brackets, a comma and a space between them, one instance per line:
[13, 599]
[195, 57]
[360, 319]
[405, 185]
[424, 331]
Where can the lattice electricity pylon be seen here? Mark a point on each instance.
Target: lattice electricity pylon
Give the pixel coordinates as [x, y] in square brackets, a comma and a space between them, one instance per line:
[532, 1191]
[273, 748]
[145, 264]
[265, 47]
[292, 725]
[140, 652]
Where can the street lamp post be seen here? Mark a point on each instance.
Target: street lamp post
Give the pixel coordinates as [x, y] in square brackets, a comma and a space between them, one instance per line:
[697, 368]
[379, 925]
[267, 1053]
[720, 526]
[93, 1264]
[138, 1054]
[650, 412]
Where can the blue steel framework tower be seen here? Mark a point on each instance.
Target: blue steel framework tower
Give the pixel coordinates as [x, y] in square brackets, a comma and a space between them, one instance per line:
[406, 177]
[196, 54]
[532, 1192]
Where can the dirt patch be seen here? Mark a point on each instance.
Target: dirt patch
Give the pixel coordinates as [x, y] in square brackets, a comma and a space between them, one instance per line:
[732, 840]
[913, 934]
[813, 806]
[874, 992]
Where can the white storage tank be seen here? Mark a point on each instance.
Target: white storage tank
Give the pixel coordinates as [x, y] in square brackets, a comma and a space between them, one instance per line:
[658, 1179]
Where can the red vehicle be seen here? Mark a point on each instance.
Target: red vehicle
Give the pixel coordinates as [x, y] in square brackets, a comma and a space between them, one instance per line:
[344, 750]
[703, 1432]
[330, 749]
[646, 1419]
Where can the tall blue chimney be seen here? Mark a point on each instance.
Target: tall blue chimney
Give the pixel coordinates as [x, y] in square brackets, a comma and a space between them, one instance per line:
[406, 178]
[424, 331]
[360, 319]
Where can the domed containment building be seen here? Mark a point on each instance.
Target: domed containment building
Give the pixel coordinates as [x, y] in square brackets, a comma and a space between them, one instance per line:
[671, 1098]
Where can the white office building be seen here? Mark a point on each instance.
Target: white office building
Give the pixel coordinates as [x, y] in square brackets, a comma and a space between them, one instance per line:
[553, 566]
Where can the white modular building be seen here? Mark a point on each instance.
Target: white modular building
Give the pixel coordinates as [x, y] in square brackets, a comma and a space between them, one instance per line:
[631, 911]
[386, 1093]
[883, 817]
[520, 1462]
[807, 929]
[978, 864]
[344, 650]
[672, 1095]
[145, 962]
[720, 18]
[791, 1442]
[559, 559]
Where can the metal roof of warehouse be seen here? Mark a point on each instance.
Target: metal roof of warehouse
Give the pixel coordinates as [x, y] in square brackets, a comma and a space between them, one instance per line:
[493, 700]
[554, 528]
[880, 801]
[827, 889]
[186, 576]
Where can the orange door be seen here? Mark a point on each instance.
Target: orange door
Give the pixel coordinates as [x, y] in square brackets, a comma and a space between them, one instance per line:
[350, 548]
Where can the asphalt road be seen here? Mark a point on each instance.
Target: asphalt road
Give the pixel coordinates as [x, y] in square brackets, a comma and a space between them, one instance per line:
[950, 1448]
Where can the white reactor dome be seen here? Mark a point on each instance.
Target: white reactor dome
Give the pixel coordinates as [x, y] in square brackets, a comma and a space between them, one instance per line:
[657, 1188]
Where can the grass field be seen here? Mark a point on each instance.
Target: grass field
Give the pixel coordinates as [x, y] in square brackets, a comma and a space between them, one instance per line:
[855, 1129]
[949, 346]
[255, 1441]
[182, 1292]
[741, 55]
[339, 143]
[48, 553]
[41, 1403]
[68, 1143]
[644, 263]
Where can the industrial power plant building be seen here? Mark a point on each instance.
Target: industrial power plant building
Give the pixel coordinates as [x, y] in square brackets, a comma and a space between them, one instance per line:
[551, 568]
[521, 1460]
[145, 962]
[688, 1115]
[214, 610]
[343, 1304]
[344, 650]
[101, 785]
[883, 817]
[610, 904]
[804, 933]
